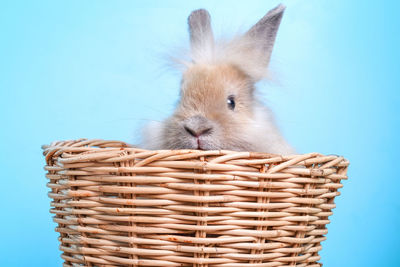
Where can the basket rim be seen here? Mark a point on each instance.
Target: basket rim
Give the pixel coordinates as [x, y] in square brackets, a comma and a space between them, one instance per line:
[84, 145]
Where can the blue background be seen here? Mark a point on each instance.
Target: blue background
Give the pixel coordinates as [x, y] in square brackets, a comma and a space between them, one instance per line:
[96, 69]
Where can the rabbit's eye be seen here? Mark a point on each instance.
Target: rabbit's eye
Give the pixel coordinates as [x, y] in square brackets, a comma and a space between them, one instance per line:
[231, 102]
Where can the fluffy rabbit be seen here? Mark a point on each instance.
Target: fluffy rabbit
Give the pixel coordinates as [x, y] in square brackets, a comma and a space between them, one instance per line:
[218, 108]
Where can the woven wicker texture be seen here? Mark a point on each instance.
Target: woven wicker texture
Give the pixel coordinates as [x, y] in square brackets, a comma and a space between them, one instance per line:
[121, 206]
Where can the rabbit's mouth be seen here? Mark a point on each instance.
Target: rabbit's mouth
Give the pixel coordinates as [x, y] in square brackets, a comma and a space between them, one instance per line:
[198, 142]
[201, 144]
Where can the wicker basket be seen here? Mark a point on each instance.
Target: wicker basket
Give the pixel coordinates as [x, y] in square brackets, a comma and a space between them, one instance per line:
[121, 206]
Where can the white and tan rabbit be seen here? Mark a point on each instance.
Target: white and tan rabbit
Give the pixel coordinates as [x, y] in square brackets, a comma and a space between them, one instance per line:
[218, 108]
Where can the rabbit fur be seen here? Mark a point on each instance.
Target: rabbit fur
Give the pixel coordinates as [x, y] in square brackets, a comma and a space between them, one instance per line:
[218, 108]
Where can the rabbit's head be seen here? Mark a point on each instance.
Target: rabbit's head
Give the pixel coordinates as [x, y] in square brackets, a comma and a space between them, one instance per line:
[218, 108]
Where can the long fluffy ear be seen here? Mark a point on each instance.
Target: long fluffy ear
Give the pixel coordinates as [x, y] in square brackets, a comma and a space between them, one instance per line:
[264, 32]
[201, 35]
[252, 51]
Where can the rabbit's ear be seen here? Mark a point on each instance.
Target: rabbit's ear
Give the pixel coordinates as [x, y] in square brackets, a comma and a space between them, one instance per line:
[252, 51]
[263, 33]
[201, 35]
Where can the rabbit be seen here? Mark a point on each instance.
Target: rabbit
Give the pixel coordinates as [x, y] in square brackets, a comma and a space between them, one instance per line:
[218, 108]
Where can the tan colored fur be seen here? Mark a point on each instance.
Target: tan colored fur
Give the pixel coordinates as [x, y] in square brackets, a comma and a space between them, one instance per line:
[203, 119]
[205, 89]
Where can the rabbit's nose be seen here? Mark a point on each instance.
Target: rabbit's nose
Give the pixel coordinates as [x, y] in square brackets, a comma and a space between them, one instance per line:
[197, 125]
[198, 132]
